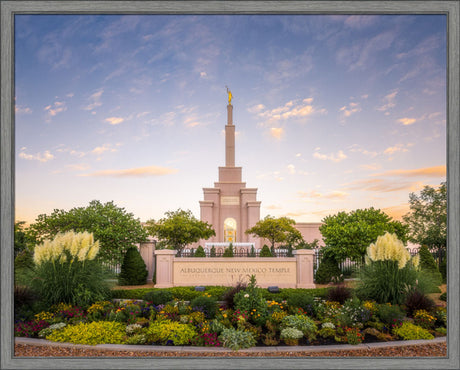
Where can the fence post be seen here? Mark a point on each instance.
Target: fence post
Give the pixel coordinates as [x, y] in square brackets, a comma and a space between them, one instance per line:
[164, 270]
[304, 262]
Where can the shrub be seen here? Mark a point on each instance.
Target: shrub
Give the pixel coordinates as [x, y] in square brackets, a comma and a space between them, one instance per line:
[66, 270]
[443, 297]
[213, 251]
[390, 314]
[228, 251]
[171, 332]
[428, 265]
[25, 300]
[389, 270]
[291, 333]
[409, 331]
[133, 269]
[237, 339]
[416, 300]
[159, 296]
[252, 253]
[205, 304]
[353, 313]
[29, 328]
[98, 332]
[300, 322]
[265, 252]
[252, 301]
[304, 301]
[424, 319]
[443, 269]
[339, 294]
[229, 295]
[200, 252]
[47, 331]
[354, 336]
[328, 269]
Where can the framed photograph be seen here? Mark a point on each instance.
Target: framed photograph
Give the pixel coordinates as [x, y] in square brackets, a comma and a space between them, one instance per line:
[306, 110]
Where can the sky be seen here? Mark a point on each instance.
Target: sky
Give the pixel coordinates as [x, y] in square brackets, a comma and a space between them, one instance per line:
[332, 112]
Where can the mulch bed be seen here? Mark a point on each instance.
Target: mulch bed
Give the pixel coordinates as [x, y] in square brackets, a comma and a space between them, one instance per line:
[421, 350]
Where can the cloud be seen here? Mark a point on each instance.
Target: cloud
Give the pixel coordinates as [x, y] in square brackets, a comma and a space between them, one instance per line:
[389, 101]
[357, 149]
[396, 212]
[338, 157]
[291, 169]
[397, 148]
[41, 157]
[331, 195]
[104, 148]
[55, 108]
[436, 171]
[22, 110]
[360, 21]
[78, 167]
[256, 108]
[290, 110]
[383, 185]
[350, 109]
[134, 172]
[94, 100]
[407, 121]
[114, 120]
[277, 132]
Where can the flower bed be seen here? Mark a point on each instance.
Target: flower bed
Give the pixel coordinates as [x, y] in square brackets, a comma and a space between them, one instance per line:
[253, 320]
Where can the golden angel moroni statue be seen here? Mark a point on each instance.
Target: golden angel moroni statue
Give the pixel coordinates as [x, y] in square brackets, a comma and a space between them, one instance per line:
[229, 96]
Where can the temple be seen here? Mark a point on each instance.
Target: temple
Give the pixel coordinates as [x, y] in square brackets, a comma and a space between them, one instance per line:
[230, 206]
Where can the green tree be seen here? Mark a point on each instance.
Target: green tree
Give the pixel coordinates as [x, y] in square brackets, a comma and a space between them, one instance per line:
[347, 235]
[133, 269]
[114, 228]
[276, 230]
[265, 251]
[178, 229]
[23, 240]
[427, 219]
[200, 252]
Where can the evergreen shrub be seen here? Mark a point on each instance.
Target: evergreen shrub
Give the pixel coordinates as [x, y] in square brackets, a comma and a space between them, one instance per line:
[213, 251]
[265, 252]
[200, 252]
[160, 296]
[228, 251]
[328, 269]
[133, 269]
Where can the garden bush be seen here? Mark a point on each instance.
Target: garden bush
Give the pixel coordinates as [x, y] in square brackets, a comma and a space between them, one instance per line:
[93, 333]
[265, 252]
[213, 251]
[250, 300]
[388, 272]
[417, 300]
[66, 270]
[133, 269]
[200, 252]
[443, 297]
[300, 322]
[229, 294]
[228, 251]
[160, 296]
[390, 314]
[428, 266]
[328, 269]
[443, 270]
[291, 335]
[237, 339]
[304, 301]
[409, 331]
[339, 294]
[171, 332]
[205, 304]
[25, 302]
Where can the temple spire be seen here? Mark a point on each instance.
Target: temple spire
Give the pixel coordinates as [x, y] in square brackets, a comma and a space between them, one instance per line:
[229, 138]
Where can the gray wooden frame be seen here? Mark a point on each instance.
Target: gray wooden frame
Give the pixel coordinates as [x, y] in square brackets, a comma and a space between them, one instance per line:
[10, 8]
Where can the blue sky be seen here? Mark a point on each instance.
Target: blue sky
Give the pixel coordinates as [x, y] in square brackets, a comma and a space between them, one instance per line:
[332, 112]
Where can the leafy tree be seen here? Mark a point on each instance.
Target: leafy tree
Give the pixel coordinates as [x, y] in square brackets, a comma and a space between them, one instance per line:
[427, 219]
[178, 229]
[276, 230]
[133, 269]
[23, 240]
[114, 228]
[347, 235]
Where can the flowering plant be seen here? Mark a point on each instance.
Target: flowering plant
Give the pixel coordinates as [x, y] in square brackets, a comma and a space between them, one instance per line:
[354, 336]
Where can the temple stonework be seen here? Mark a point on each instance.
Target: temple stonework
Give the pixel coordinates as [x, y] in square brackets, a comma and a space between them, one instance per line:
[230, 207]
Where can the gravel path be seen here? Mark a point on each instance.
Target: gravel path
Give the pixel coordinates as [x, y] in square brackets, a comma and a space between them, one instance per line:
[420, 350]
